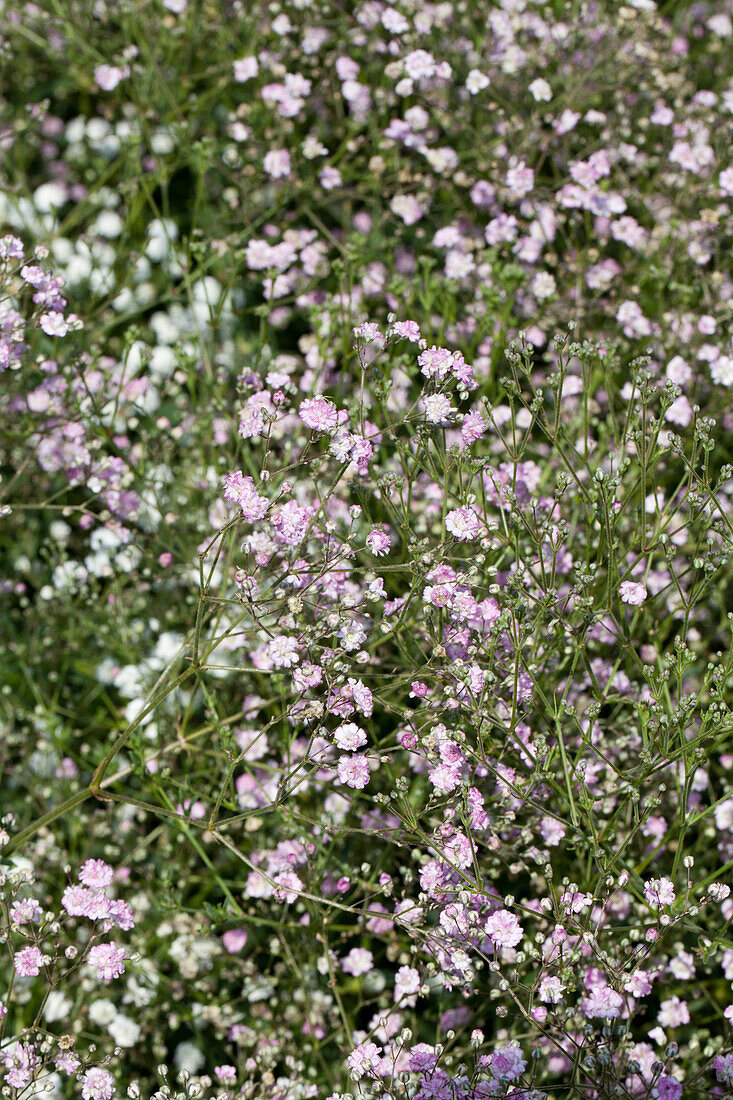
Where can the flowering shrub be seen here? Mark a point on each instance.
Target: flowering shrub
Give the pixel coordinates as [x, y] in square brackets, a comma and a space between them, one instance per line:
[366, 498]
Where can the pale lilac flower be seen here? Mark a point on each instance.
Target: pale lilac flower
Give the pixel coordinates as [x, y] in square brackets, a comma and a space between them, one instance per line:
[276, 164]
[503, 929]
[438, 409]
[234, 940]
[406, 986]
[379, 542]
[364, 1059]
[25, 911]
[96, 874]
[659, 892]
[368, 331]
[408, 330]
[54, 324]
[349, 737]
[507, 1063]
[463, 524]
[97, 1084]
[551, 990]
[603, 1003]
[283, 652]
[109, 76]
[353, 771]
[29, 961]
[245, 69]
[359, 961]
[319, 414]
[540, 91]
[632, 592]
[673, 1012]
[108, 959]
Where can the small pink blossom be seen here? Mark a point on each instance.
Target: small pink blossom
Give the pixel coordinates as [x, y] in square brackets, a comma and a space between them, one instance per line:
[353, 771]
[378, 541]
[108, 959]
[350, 737]
[632, 592]
[659, 892]
[319, 414]
[108, 77]
[96, 873]
[359, 961]
[29, 961]
[463, 524]
[97, 1084]
[54, 324]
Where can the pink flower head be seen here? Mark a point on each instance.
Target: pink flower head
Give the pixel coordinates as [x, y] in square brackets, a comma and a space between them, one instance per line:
[108, 959]
[245, 69]
[319, 414]
[408, 330]
[358, 961]
[29, 961]
[25, 911]
[603, 1003]
[277, 164]
[353, 771]
[659, 892]
[235, 940]
[350, 737]
[438, 409]
[97, 1084]
[79, 901]
[378, 542]
[240, 490]
[96, 873]
[54, 324]
[108, 77]
[463, 524]
[632, 592]
[503, 929]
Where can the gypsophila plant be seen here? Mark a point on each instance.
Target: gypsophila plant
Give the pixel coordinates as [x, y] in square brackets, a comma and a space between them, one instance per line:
[366, 491]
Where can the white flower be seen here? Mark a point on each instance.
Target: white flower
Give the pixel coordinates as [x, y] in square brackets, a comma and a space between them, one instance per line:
[540, 90]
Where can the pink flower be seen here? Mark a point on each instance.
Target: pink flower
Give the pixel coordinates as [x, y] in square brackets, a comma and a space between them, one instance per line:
[632, 592]
[408, 330]
[277, 164]
[603, 1003]
[507, 1063]
[109, 76]
[25, 911]
[283, 652]
[438, 409]
[673, 1012]
[378, 542]
[350, 737]
[503, 929]
[96, 873]
[353, 771]
[241, 490]
[79, 901]
[245, 69]
[319, 414]
[463, 524]
[97, 1084]
[365, 1058]
[108, 959]
[659, 892]
[29, 961]
[235, 940]
[358, 961]
[54, 324]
